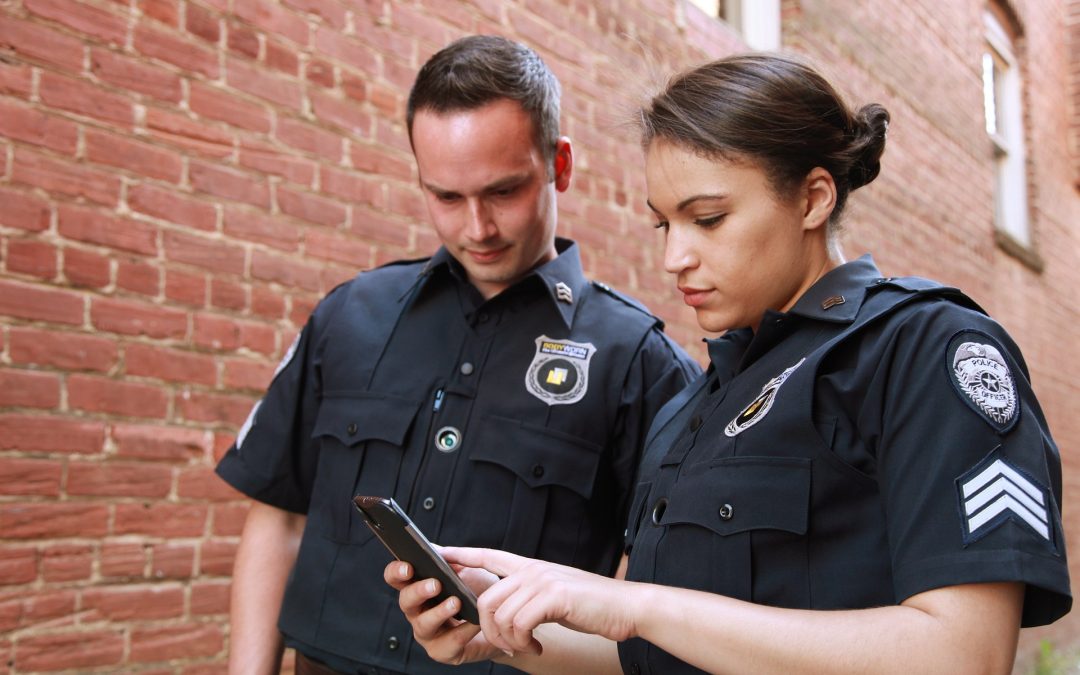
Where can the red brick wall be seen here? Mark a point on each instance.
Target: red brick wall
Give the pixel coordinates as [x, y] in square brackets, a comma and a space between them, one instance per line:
[181, 180]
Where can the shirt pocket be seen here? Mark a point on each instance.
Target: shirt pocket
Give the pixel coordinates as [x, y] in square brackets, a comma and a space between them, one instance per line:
[545, 476]
[747, 519]
[362, 438]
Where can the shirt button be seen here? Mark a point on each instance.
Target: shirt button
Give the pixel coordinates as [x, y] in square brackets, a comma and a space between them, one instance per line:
[726, 512]
[466, 368]
[429, 503]
[351, 429]
[538, 471]
[695, 422]
[392, 643]
[482, 317]
[635, 669]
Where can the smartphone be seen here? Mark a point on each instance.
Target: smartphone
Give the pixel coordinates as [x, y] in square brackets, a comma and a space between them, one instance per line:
[406, 542]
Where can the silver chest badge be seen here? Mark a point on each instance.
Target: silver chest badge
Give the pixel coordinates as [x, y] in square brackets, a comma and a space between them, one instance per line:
[760, 406]
[559, 372]
[981, 374]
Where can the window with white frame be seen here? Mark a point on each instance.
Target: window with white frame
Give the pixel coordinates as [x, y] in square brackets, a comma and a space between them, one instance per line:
[758, 21]
[1004, 112]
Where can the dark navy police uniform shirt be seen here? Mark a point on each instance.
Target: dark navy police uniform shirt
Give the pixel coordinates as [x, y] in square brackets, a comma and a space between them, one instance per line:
[878, 440]
[515, 423]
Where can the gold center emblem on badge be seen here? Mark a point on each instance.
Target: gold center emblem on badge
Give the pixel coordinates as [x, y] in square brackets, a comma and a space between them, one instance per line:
[559, 372]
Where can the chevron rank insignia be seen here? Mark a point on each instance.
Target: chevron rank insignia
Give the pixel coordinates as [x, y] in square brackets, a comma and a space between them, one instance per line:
[995, 491]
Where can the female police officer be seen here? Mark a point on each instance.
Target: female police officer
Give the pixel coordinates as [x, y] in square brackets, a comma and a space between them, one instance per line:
[860, 444]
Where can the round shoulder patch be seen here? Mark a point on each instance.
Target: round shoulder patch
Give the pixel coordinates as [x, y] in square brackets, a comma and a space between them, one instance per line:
[981, 375]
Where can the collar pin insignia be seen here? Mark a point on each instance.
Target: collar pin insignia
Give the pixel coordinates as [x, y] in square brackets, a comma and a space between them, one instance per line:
[563, 293]
[833, 302]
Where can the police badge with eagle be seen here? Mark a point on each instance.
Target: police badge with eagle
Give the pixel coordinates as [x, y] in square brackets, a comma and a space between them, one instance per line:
[983, 378]
[559, 372]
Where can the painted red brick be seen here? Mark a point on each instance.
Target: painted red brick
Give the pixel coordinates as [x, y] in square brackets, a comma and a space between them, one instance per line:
[230, 184]
[87, 268]
[310, 207]
[23, 123]
[23, 210]
[119, 479]
[32, 257]
[82, 17]
[283, 270]
[138, 277]
[186, 288]
[133, 603]
[16, 79]
[50, 521]
[258, 226]
[137, 318]
[136, 75]
[203, 23]
[227, 294]
[201, 483]
[83, 98]
[201, 137]
[66, 178]
[172, 561]
[17, 565]
[229, 518]
[29, 389]
[197, 406]
[216, 557]
[67, 650]
[173, 365]
[163, 443]
[39, 477]
[169, 205]
[40, 43]
[176, 641]
[247, 374]
[67, 562]
[160, 519]
[24, 301]
[165, 11]
[140, 158]
[122, 560]
[30, 433]
[95, 394]
[170, 47]
[98, 227]
[220, 103]
[257, 82]
[210, 598]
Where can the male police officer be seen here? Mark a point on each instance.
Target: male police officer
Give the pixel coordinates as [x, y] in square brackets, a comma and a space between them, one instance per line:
[496, 394]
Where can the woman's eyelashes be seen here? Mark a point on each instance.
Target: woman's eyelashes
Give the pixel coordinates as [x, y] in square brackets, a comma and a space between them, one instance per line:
[710, 221]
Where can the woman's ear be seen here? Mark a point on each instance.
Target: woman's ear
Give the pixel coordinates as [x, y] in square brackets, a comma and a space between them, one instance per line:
[820, 193]
[564, 163]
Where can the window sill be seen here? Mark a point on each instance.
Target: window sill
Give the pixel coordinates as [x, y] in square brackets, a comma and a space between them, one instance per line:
[1025, 253]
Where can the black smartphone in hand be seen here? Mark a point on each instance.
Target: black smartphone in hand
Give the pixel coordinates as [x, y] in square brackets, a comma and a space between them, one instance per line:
[407, 543]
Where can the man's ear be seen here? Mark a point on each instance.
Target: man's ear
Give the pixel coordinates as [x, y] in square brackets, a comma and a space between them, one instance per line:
[819, 192]
[564, 163]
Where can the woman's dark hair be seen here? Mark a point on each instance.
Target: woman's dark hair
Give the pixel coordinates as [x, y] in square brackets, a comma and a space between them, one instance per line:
[471, 72]
[775, 110]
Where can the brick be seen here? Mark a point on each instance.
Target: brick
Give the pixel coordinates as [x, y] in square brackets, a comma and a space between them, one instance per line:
[262, 228]
[268, 158]
[140, 158]
[302, 309]
[217, 557]
[171, 206]
[220, 103]
[82, 18]
[230, 184]
[310, 207]
[211, 254]
[135, 75]
[335, 45]
[85, 98]
[115, 397]
[198, 136]
[40, 43]
[225, 294]
[268, 86]
[176, 641]
[165, 11]
[97, 227]
[342, 112]
[160, 520]
[229, 519]
[173, 365]
[309, 138]
[273, 19]
[172, 561]
[344, 249]
[39, 477]
[267, 303]
[137, 318]
[246, 374]
[281, 58]
[32, 257]
[213, 408]
[243, 40]
[29, 389]
[186, 288]
[330, 11]
[119, 479]
[355, 88]
[180, 52]
[86, 268]
[22, 301]
[50, 434]
[63, 350]
[33, 126]
[222, 442]
[63, 177]
[352, 187]
[17, 565]
[119, 560]
[67, 562]
[160, 443]
[201, 483]
[127, 603]
[388, 100]
[50, 521]
[372, 158]
[217, 333]
[23, 210]
[16, 79]
[203, 23]
[320, 72]
[209, 599]
[35, 607]
[69, 650]
[285, 271]
[138, 277]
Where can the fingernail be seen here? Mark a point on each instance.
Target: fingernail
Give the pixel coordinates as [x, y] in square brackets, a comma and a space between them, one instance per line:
[431, 586]
[403, 569]
[508, 653]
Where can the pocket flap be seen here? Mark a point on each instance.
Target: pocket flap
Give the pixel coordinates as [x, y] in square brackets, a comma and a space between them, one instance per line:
[365, 416]
[738, 494]
[539, 456]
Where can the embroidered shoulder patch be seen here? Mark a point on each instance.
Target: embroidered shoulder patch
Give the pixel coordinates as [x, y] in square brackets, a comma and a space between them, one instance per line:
[982, 378]
[995, 491]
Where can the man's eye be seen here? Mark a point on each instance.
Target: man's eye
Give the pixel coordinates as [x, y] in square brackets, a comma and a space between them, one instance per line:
[447, 198]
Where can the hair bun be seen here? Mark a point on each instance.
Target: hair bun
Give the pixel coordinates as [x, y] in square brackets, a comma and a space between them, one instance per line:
[868, 143]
